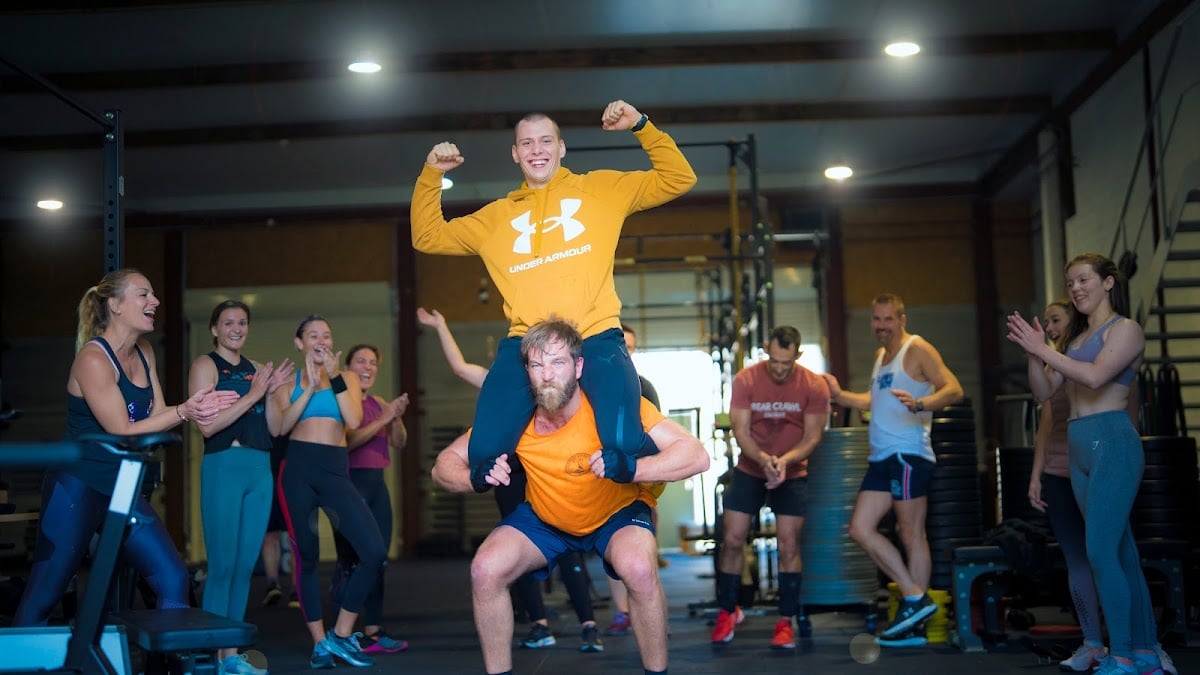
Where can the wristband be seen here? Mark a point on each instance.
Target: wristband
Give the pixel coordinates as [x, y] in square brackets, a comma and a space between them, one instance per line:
[179, 412]
[337, 383]
[640, 123]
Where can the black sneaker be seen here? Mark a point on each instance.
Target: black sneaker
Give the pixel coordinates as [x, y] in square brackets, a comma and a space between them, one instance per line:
[539, 636]
[293, 601]
[591, 640]
[910, 613]
[272, 596]
[911, 638]
[347, 649]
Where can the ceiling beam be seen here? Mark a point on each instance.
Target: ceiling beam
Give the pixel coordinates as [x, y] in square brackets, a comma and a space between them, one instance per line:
[800, 51]
[1025, 150]
[817, 111]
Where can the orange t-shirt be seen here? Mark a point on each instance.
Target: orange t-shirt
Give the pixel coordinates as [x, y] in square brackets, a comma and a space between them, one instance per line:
[561, 487]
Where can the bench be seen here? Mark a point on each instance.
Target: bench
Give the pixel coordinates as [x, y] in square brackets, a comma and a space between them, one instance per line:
[970, 563]
[191, 634]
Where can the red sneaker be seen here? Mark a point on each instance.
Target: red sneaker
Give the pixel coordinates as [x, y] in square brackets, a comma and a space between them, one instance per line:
[723, 630]
[784, 637]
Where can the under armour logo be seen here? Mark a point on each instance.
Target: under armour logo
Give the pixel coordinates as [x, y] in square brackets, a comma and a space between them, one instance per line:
[571, 228]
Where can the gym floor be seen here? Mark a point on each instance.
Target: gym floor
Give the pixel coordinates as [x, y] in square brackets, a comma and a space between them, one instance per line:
[429, 604]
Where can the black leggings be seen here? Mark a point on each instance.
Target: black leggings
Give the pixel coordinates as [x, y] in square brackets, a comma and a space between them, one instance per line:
[373, 488]
[570, 565]
[71, 513]
[312, 476]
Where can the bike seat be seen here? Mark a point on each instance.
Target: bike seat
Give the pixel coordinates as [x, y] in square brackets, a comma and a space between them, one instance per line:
[136, 443]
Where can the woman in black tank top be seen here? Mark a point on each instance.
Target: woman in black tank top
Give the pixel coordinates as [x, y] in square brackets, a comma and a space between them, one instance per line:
[113, 388]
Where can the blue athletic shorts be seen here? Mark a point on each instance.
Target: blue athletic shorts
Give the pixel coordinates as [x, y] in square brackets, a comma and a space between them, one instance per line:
[904, 477]
[553, 542]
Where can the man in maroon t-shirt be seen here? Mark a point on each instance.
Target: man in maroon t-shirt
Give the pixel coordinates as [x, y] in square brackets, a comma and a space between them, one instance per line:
[779, 410]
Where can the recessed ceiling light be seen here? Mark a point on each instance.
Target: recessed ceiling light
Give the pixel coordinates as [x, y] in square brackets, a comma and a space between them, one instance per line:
[364, 67]
[447, 183]
[838, 172]
[49, 204]
[902, 49]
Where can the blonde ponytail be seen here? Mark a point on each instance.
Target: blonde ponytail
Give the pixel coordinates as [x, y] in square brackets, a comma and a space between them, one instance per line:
[93, 307]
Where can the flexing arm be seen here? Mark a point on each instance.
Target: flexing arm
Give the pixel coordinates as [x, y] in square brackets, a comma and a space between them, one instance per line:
[474, 374]
[431, 232]
[671, 174]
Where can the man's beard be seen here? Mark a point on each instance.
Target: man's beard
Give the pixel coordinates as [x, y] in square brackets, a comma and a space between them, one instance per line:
[552, 398]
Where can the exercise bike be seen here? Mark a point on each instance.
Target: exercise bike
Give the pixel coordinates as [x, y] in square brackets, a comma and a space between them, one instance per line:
[90, 646]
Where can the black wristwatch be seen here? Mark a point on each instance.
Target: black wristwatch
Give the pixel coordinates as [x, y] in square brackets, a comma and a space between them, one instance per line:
[920, 407]
[640, 123]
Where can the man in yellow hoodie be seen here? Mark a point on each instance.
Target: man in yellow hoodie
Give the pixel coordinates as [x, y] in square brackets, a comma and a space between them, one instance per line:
[549, 248]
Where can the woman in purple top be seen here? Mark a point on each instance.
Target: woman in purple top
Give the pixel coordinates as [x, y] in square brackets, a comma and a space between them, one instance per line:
[370, 455]
[1103, 351]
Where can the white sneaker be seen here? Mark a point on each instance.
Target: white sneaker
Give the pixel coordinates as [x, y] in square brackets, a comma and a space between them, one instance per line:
[1168, 665]
[1084, 659]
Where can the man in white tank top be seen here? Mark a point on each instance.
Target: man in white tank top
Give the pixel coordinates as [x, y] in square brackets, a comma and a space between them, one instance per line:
[908, 382]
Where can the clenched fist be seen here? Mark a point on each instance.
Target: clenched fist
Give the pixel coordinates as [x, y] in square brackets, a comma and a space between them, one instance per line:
[444, 156]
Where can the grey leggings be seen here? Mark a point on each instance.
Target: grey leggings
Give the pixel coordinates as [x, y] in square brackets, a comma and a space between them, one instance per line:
[1106, 469]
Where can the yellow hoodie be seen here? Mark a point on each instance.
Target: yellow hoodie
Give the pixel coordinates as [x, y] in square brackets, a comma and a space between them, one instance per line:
[550, 250]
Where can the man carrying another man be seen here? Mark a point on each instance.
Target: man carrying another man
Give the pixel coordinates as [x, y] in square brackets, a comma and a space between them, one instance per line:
[570, 506]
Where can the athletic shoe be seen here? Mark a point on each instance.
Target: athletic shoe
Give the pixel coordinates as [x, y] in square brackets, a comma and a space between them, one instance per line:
[1111, 666]
[1168, 665]
[293, 601]
[1147, 667]
[347, 649]
[239, 664]
[1084, 659]
[620, 624]
[539, 636]
[784, 637]
[321, 658]
[382, 643]
[910, 613]
[272, 596]
[803, 626]
[910, 638]
[590, 638]
[723, 629]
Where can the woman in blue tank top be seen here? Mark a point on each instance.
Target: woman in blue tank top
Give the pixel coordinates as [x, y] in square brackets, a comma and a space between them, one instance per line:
[235, 475]
[112, 388]
[1104, 349]
[316, 412]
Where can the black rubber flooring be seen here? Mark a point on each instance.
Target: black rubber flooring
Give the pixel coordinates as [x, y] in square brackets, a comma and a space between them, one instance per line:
[429, 605]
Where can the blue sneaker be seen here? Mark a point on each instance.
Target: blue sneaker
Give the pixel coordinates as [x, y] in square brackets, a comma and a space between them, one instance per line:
[239, 664]
[347, 649]
[803, 626]
[321, 658]
[910, 613]
[539, 636]
[1111, 666]
[590, 640]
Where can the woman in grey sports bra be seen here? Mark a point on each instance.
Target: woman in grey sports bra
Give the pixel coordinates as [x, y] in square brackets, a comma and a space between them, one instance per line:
[1106, 458]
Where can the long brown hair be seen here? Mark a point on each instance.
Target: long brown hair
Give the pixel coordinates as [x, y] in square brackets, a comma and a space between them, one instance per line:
[1118, 295]
[94, 314]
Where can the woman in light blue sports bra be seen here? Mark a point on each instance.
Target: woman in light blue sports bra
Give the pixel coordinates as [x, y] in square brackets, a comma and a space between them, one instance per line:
[1104, 349]
[316, 412]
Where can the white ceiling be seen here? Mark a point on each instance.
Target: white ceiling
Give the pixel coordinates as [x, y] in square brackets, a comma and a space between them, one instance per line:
[323, 138]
